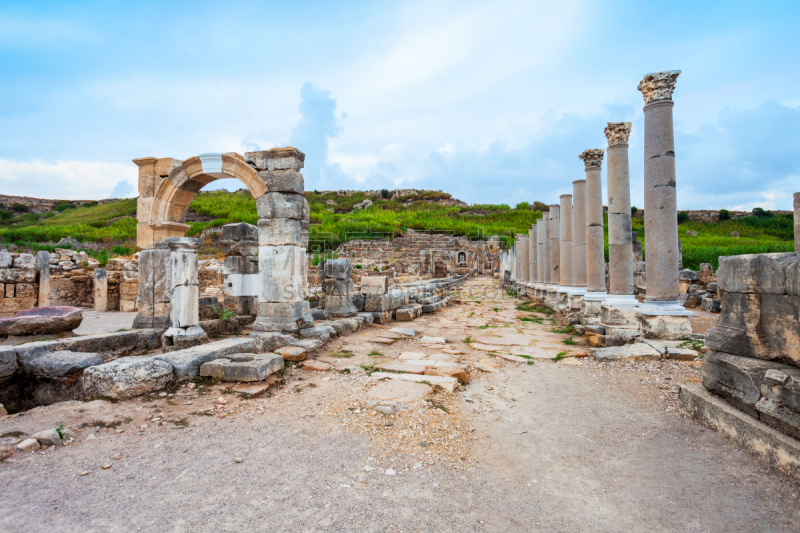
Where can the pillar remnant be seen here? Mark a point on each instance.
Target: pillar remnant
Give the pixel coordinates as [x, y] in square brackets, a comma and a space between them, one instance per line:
[42, 268]
[595, 255]
[337, 285]
[555, 256]
[240, 245]
[282, 239]
[545, 222]
[620, 241]
[565, 250]
[661, 210]
[100, 290]
[155, 278]
[533, 276]
[184, 313]
[539, 258]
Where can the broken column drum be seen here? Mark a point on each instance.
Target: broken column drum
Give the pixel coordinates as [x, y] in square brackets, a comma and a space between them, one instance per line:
[282, 238]
[660, 206]
[100, 290]
[620, 242]
[595, 253]
[240, 245]
[337, 285]
[42, 269]
[184, 312]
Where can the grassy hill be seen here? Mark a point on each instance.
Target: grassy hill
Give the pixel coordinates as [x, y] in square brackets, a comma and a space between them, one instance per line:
[334, 221]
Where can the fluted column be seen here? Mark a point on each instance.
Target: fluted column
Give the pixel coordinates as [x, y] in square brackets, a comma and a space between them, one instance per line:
[620, 249]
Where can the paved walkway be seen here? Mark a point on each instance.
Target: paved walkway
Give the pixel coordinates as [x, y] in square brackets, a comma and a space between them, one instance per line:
[557, 446]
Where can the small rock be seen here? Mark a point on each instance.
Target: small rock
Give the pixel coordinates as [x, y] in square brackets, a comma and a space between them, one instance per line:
[91, 436]
[314, 365]
[6, 452]
[84, 473]
[190, 386]
[238, 460]
[106, 466]
[3, 411]
[28, 445]
[48, 437]
[162, 394]
[117, 457]
[390, 472]
[369, 468]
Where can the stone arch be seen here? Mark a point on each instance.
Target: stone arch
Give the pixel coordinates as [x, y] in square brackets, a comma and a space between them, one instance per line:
[167, 186]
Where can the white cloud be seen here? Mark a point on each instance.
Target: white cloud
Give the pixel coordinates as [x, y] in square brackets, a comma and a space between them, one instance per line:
[71, 180]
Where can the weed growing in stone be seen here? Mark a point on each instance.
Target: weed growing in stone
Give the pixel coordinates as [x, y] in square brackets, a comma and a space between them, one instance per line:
[559, 356]
[570, 341]
[567, 329]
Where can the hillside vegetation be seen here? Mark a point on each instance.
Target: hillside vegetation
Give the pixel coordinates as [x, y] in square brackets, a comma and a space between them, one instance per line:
[333, 221]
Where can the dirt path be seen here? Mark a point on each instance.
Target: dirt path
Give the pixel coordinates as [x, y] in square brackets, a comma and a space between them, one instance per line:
[550, 446]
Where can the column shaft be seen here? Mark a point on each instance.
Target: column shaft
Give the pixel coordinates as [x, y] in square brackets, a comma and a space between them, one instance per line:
[555, 256]
[579, 233]
[797, 222]
[565, 247]
[595, 255]
[620, 250]
[532, 255]
[546, 247]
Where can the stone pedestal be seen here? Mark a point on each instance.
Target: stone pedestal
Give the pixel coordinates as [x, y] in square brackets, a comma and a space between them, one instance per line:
[282, 239]
[661, 310]
[337, 285]
[240, 245]
[595, 256]
[153, 300]
[100, 290]
[42, 268]
[620, 235]
[184, 313]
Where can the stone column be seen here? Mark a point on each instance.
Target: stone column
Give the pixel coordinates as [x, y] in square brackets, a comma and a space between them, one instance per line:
[337, 285]
[282, 238]
[240, 245]
[523, 263]
[532, 255]
[797, 222]
[184, 311]
[155, 277]
[578, 244]
[595, 255]
[620, 241]
[42, 268]
[661, 316]
[100, 290]
[545, 223]
[565, 250]
[555, 256]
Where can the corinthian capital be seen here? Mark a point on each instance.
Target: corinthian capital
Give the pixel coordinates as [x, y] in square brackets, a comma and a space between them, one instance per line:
[617, 132]
[592, 157]
[658, 85]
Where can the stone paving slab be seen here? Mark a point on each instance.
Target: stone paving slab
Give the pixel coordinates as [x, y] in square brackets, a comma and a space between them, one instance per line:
[448, 384]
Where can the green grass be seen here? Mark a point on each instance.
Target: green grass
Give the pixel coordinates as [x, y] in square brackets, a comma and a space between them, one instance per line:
[114, 223]
[559, 356]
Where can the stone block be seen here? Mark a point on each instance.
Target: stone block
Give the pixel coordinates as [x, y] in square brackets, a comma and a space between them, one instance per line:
[292, 353]
[764, 326]
[286, 266]
[116, 342]
[760, 273]
[711, 305]
[323, 333]
[282, 232]
[8, 361]
[59, 364]
[241, 265]
[381, 317]
[283, 158]
[240, 231]
[186, 363]
[271, 342]
[405, 314]
[374, 284]
[289, 181]
[243, 367]
[340, 306]
[686, 274]
[24, 261]
[239, 248]
[25, 290]
[628, 352]
[282, 205]
[377, 303]
[283, 316]
[337, 268]
[6, 259]
[368, 317]
[126, 377]
[17, 275]
[664, 327]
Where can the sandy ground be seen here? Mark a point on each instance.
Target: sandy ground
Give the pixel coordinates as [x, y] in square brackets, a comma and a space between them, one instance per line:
[551, 446]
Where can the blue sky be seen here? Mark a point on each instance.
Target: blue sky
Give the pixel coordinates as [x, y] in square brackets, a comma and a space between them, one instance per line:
[490, 101]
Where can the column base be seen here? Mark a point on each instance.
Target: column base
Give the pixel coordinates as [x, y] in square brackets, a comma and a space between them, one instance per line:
[576, 298]
[279, 316]
[592, 303]
[562, 298]
[181, 338]
[665, 308]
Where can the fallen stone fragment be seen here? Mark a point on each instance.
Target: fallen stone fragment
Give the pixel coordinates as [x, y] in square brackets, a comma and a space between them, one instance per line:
[292, 353]
[681, 354]
[512, 358]
[442, 357]
[252, 388]
[382, 340]
[6, 452]
[28, 445]
[450, 371]
[84, 473]
[488, 364]
[412, 355]
[127, 377]
[397, 366]
[48, 437]
[106, 466]
[448, 384]
[486, 347]
[629, 352]
[243, 367]
[432, 340]
[238, 460]
[316, 366]
[401, 391]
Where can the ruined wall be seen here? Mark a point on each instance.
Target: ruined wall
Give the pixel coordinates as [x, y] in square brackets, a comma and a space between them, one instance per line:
[18, 286]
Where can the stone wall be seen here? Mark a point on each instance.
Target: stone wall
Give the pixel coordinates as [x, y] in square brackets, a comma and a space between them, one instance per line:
[19, 288]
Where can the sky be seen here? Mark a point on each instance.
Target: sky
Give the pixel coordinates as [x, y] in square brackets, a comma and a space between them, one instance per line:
[489, 101]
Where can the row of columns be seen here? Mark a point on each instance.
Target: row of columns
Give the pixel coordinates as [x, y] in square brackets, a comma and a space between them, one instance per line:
[567, 264]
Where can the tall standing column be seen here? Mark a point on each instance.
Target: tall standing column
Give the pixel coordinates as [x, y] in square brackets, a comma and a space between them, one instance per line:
[595, 255]
[662, 314]
[578, 243]
[565, 250]
[620, 241]
[532, 255]
[555, 256]
[539, 258]
[545, 222]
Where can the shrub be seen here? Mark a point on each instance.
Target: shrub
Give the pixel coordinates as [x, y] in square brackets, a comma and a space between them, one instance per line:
[385, 194]
[761, 213]
[634, 209]
[724, 215]
[683, 216]
[522, 206]
[19, 207]
[6, 215]
[63, 205]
